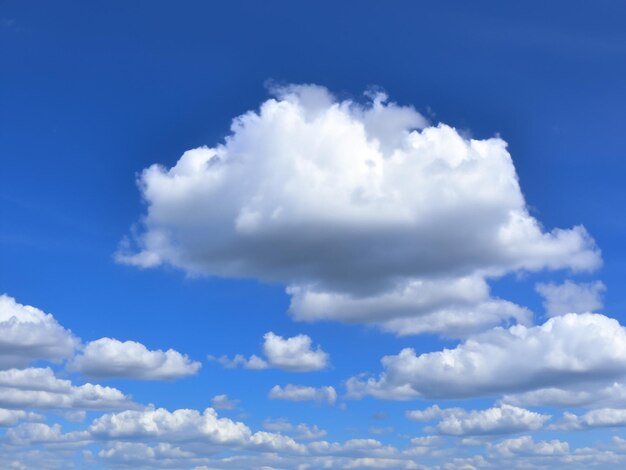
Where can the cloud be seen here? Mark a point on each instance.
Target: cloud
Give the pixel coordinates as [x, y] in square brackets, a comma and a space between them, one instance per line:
[107, 357]
[526, 446]
[12, 417]
[299, 431]
[600, 418]
[222, 402]
[40, 388]
[360, 209]
[28, 334]
[593, 395]
[40, 433]
[564, 352]
[302, 393]
[571, 297]
[503, 419]
[429, 414]
[454, 306]
[293, 354]
[184, 426]
[255, 362]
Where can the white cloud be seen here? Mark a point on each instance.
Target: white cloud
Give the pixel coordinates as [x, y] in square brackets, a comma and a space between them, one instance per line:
[28, 334]
[184, 425]
[563, 352]
[359, 209]
[454, 306]
[41, 433]
[12, 417]
[303, 393]
[526, 446]
[108, 357]
[293, 354]
[600, 418]
[299, 431]
[595, 395]
[503, 419]
[39, 388]
[571, 297]
[255, 362]
[429, 414]
[222, 402]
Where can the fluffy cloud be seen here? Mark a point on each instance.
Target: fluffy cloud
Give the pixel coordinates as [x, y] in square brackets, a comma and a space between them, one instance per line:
[571, 297]
[360, 209]
[588, 394]
[503, 419]
[11, 417]
[183, 426]
[28, 334]
[39, 388]
[254, 362]
[428, 414]
[526, 446]
[302, 393]
[454, 306]
[299, 431]
[600, 418]
[40, 433]
[293, 354]
[222, 402]
[565, 351]
[108, 357]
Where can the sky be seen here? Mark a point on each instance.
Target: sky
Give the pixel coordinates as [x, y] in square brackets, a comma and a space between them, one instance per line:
[312, 235]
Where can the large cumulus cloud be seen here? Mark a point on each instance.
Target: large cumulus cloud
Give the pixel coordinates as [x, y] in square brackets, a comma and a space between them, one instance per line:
[355, 207]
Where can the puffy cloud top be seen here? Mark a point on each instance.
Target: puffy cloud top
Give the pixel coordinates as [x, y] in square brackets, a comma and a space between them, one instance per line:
[294, 354]
[28, 334]
[355, 200]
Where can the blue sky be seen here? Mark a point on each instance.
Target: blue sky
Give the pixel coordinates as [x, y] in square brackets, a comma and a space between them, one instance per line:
[366, 202]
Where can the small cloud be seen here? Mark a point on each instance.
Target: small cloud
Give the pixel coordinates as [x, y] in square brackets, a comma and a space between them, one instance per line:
[302, 393]
[571, 297]
[294, 354]
[222, 402]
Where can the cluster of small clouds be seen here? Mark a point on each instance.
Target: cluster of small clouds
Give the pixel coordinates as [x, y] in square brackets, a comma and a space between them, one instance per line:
[187, 438]
[28, 334]
[367, 214]
[575, 349]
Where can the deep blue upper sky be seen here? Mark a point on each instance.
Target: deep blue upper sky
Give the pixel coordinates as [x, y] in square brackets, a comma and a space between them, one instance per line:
[92, 93]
